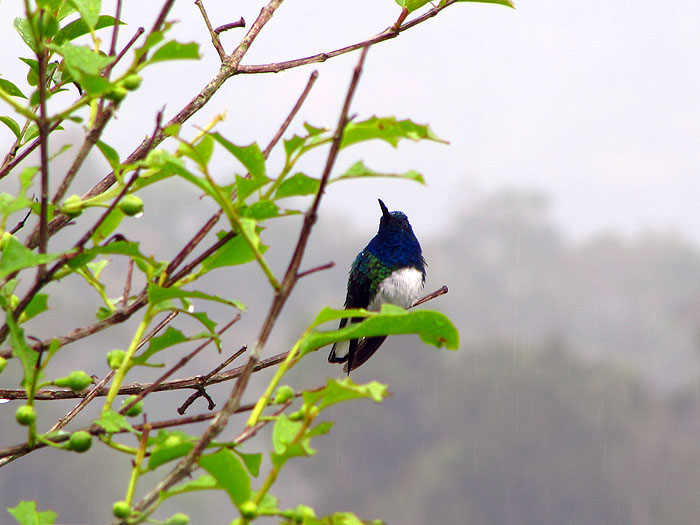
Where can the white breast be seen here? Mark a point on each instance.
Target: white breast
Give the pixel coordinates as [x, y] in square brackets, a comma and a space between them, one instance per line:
[401, 288]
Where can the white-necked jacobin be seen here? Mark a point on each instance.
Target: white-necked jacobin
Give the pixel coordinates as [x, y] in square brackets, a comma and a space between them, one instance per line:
[390, 269]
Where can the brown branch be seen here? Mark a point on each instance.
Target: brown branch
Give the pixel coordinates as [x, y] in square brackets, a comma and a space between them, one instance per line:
[230, 25]
[214, 35]
[429, 297]
[385, 35]
[43, 125]
[320, 268]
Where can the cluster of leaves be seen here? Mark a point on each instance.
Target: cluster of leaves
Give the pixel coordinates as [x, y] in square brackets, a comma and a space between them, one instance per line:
[51, 31]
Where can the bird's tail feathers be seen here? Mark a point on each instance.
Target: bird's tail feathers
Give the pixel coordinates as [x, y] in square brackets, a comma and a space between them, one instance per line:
[364, 350]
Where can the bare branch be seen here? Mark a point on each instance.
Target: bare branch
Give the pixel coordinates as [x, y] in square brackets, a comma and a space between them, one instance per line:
[322, 267]
[429, 297]
[214, 35]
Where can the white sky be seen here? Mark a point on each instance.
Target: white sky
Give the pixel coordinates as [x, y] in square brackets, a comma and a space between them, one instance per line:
[595, 103]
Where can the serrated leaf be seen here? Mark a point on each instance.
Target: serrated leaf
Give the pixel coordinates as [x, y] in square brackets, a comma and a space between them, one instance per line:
[359, 170]
[296, 185]
[236, 251]
[26, 514]
[246, 186]
[229, 472]
[79, 28]
[16, 256]
[433, 328]
[387, 129]
[9, 88]
[89, 10]
[113, 422]
[261, 210]
[344, 389]
[250, 156]
[174, 50]
[14, 127]
[293, 144]
[158, 294]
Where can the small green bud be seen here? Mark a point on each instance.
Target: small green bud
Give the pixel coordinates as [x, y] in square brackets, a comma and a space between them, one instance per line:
[121, 509]
[178, 519]
[77, 380]
[131, 82]
[296, 416]
[283, 394]
[115, 358]
[117, 94]
[172, 441]
[131, 205]
[14, 301]
[134, 410]
[80, 441]
[72, 206]
[5, 239]
[249, 509]
[25, 415]
[303, 512]
[3, 364]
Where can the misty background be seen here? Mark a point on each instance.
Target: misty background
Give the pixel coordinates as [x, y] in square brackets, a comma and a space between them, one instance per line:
[563, 218]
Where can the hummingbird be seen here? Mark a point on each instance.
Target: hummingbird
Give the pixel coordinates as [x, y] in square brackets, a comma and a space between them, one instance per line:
[390, 269]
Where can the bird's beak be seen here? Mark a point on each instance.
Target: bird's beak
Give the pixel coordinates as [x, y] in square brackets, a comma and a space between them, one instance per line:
[385, 211]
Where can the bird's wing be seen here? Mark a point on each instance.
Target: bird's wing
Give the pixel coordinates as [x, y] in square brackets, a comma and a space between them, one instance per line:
[363, 351]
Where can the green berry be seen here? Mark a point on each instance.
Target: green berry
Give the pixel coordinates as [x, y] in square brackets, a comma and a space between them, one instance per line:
[77, 380]
[115, 358]
[131, 82]
[249, 509]
[80, 441]
[131, 205]
[296, 416]
[72, 206]
[121, 509]
[26, 415]
[3, 364]
[283, 394]
[117, 94]
[134, 410]
[178, 519]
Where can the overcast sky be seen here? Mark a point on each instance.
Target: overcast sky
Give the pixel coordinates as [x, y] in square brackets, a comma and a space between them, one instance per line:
[595, 103]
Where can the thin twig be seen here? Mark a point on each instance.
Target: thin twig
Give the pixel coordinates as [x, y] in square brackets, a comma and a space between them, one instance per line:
[315, 269]
[214, 36]
[429, 297]
[230, 25]
[127, 283]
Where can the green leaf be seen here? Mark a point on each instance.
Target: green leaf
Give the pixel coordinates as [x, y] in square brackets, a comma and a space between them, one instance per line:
[169, 445]
[388, 129]
[251, 461]
[236, 251]
[89, 11]
[171, 337]
[344, 389]
[24, 29]
[359, 170]
[30, 133]
[113, 422]
[506, 3]
[297, 184]
[110, 154]
[9, 88]
[288, 444]
[261, 210]
[412, 5]
[20, 348]
[173, 50]
[204, 482]
[94, 85]
[433, 328]
[14, 127]
[158, 294]
[26, 514]
[79, 28]
[171, 164]
[37, 305]
[201, 152]
[250, 156]
[82, 59]
[246, 186]
[110, 224]
[16, 256]
[229, 472]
